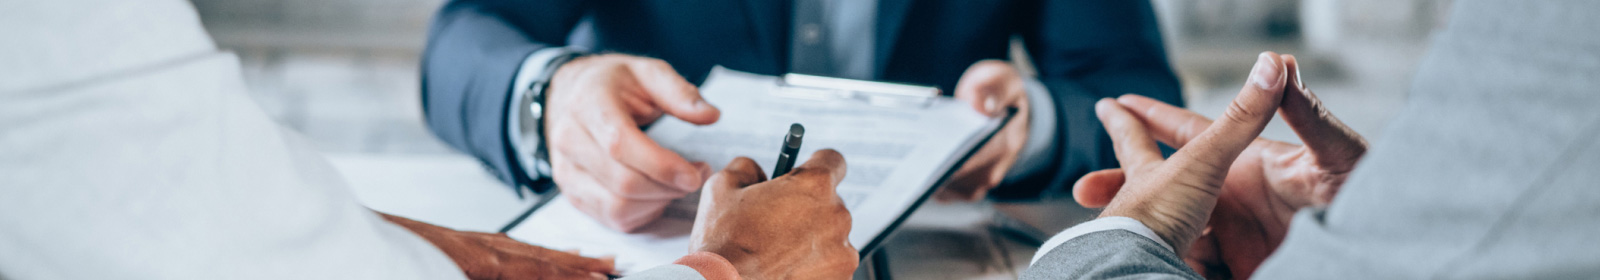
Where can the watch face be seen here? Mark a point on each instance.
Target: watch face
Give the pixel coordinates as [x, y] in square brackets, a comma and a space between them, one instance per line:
[535, 110]
[530, 119]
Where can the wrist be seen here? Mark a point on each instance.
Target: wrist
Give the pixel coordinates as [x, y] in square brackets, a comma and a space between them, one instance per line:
[740, 259]
[532, 109]
[526, 122]
[710, 266]
[1175, 227]
[566, 71]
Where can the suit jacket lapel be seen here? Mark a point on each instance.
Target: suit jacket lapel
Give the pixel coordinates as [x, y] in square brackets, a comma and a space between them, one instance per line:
[891, 16]
[769, 20]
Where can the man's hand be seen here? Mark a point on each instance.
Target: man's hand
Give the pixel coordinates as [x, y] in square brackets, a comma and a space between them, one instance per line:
[495, 256]
[1266, 185]
[794, 226]
[1175, 197]
[598, 155]
[990, 86]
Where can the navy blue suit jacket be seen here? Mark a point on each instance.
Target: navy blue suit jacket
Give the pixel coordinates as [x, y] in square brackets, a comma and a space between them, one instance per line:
[1083, 49]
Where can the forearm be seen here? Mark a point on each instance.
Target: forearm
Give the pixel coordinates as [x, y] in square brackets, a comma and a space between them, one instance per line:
[474, 53]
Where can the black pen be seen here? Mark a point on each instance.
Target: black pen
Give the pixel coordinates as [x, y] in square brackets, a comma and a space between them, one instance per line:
[791, 148]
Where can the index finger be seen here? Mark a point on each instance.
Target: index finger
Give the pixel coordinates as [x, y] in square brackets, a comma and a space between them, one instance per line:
[620, 138]
[1129, 137]
[672, 93]
[1336, 145]
[825, 165]
[739, 173]
[1168, 124]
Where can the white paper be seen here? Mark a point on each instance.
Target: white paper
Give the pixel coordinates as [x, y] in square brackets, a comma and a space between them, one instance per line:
[893, 155]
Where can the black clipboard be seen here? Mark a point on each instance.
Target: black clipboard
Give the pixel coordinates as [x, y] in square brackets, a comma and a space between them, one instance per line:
[950, 171]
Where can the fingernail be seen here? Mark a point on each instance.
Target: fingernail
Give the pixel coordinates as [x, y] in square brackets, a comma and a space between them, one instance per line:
[988, 105]
[1298, 83]
[1266, 72]
[597, 275]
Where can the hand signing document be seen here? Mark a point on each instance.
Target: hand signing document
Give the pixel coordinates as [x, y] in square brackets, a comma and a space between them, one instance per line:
[898, 153]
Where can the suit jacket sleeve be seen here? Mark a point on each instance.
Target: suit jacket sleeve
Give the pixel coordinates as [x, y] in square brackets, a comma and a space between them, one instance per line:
[475, 48]
[1110, 254]
[1084, 51]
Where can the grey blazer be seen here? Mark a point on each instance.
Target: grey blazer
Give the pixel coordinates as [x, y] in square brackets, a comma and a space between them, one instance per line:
[1492, 171]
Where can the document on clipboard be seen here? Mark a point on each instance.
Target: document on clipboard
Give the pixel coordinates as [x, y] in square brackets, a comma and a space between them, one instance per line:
[900, 142]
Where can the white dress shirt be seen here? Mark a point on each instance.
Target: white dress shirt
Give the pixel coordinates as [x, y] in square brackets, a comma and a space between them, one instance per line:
[131, 151]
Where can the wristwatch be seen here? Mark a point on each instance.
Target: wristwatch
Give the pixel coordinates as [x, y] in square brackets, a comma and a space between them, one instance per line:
[531, 120]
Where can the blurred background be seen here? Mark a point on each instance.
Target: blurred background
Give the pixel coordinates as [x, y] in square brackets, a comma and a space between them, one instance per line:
[345, 74]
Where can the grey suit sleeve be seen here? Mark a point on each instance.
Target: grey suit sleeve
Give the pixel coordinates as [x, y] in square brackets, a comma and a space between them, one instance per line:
[1110, 254]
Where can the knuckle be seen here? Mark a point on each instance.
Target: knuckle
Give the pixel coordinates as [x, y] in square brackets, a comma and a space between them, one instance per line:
[612, 144]
[630, 184]
[811, 177]
[560, 135]
[729, 173]
[1238, 111]
[650, 63]
[615, 210]
[610, 57]
[842, 215]
[558, 170]
[740, 163]
[657, 62]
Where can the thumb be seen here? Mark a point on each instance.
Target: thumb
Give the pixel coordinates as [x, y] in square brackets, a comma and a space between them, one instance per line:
[672, 93]
[1210, 153]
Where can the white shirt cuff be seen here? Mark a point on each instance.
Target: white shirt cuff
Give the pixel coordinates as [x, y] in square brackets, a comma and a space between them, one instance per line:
[1098, 225]
[532, 68]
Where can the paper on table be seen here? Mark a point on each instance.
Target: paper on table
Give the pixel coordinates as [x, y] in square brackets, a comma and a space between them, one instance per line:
[894, 156]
